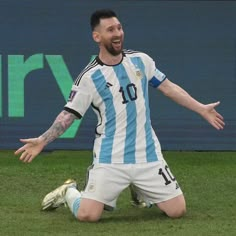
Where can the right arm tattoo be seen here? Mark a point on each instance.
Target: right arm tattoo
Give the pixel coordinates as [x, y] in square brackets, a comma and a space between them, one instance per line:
[60, 125]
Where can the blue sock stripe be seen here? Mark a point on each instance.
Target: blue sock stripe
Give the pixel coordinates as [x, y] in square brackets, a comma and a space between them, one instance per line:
[76, 206]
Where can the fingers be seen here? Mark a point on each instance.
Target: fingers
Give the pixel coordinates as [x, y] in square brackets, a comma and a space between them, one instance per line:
[217, 120]
[27, 142]
[216, 104]
[219, 116]
[27, 150]
[26, 157]
[218, 123]
[217, 126]
[20, 150]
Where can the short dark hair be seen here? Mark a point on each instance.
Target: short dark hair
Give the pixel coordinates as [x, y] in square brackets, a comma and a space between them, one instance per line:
[100, 14]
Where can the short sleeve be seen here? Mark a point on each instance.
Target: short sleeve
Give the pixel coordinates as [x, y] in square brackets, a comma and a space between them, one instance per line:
[154, 76]
[80, 97]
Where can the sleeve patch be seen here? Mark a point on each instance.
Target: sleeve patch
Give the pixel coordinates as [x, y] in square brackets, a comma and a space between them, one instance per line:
[72, 95]
[154, 82]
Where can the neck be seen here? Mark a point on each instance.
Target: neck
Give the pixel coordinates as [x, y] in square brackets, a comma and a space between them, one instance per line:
[109, 59]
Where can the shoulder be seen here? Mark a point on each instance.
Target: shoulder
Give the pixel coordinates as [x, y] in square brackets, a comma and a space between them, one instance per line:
[133, 53]
[87, 71]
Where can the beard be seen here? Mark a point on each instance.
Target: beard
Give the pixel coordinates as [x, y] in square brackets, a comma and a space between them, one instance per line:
[112, 50]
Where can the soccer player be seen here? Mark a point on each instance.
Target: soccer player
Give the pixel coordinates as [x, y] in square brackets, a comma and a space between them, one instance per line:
[126, 149]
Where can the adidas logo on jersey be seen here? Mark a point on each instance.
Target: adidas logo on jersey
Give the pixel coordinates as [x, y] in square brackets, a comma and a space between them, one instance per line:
[108, 85]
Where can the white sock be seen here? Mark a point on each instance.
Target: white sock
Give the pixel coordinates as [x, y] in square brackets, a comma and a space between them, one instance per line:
[73, 197]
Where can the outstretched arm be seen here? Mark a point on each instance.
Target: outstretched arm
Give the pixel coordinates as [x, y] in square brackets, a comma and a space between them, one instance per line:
[33, 146]
[180, 96]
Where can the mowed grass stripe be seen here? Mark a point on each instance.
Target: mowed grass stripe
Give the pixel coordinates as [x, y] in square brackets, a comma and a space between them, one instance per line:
[208, 180]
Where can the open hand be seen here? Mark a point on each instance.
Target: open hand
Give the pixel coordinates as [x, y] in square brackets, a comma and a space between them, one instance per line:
[212, 116]
[31, 149]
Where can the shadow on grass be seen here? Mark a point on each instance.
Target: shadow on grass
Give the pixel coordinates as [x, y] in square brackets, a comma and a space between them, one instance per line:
[119, 215]
[134, 215]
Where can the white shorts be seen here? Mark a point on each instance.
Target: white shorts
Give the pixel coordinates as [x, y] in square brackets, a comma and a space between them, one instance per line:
[153, 182]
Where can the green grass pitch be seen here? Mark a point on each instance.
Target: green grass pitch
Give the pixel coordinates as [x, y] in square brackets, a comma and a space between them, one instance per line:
[208, 180]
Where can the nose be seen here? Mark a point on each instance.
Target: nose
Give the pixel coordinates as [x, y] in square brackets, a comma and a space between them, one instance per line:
[118, 32]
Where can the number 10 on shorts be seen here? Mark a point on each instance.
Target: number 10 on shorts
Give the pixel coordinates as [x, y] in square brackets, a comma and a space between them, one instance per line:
[166, 174]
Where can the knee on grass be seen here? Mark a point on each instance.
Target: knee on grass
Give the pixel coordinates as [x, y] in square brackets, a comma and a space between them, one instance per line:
[174, 208]
[87, 217]
[176, 213]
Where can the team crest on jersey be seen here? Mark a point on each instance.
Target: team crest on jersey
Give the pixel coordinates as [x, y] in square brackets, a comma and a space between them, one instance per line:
[138, 73]
[72, 95]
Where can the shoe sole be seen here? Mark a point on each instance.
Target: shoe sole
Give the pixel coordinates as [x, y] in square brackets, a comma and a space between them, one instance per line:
[52, 203]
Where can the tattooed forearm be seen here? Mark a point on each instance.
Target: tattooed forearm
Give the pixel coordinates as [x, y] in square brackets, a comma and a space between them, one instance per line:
[60, 125]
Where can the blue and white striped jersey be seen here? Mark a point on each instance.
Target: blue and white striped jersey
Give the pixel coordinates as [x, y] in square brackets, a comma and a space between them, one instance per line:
[118, 95]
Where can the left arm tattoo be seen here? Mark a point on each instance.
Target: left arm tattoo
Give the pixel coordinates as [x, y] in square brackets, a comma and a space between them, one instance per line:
[59, 126]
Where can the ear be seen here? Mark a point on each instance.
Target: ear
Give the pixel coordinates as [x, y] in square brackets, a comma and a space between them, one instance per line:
[96, 36]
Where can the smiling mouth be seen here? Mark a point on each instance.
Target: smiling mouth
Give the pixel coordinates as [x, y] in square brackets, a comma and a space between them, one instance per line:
[117, 42]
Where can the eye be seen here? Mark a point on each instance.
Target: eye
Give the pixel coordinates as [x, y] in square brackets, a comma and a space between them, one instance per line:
[110, 29]
[119, 27]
